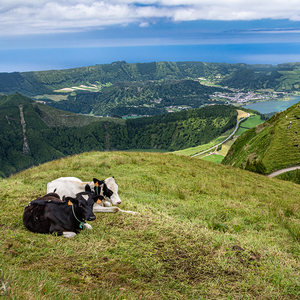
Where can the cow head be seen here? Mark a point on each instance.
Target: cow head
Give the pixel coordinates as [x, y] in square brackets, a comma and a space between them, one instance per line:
[107, 190]
[83, 203]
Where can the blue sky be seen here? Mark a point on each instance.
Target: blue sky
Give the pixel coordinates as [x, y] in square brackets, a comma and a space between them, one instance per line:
[41, 35]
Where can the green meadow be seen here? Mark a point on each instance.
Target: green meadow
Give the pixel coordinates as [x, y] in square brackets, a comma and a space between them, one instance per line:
[252, 121]
[204, 231]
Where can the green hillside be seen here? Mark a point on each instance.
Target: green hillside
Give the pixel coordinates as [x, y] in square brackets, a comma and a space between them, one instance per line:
[204, 231]
[43, 82]
[33, 133]
[272, 145]
[281, 78]
[138, 98]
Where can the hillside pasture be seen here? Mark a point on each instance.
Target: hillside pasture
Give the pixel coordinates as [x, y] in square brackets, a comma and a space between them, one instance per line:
[252, 121]
[204, 231]
[274, 143]
[216, 158]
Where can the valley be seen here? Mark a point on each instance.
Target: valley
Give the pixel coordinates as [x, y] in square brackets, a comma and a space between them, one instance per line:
[145, 89]
[53, 134]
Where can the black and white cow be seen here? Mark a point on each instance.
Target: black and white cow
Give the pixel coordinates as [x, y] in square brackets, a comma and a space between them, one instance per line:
[106, 190]
[49, 214]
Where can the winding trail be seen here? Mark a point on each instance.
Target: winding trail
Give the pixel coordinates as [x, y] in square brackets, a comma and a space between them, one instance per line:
[283, 171]
[234, 131]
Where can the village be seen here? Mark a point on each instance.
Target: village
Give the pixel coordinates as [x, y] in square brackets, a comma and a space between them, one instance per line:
[236, 96]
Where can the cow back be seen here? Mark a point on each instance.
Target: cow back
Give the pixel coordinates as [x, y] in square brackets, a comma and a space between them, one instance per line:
[34, 217]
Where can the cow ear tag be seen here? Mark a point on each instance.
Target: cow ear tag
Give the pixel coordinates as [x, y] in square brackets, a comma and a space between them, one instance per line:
[96, 184]
[70, 203]
[99, 201]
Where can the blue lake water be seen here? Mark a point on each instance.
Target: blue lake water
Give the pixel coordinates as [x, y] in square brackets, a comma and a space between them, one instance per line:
[272, 106]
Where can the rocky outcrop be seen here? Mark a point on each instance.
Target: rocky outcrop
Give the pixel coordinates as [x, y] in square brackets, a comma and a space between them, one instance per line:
[26, 149]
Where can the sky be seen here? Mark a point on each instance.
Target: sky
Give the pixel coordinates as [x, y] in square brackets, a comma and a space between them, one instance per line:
[40, 35]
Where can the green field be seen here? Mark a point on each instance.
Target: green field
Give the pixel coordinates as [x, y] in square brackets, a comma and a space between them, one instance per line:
[213, 158]
[204, 231]
[252, 121]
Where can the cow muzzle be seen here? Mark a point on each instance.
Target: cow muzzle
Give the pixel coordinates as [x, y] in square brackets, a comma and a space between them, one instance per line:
[91, 218]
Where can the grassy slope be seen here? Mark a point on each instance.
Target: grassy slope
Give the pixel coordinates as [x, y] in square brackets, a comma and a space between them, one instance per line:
[274, 142]
[205, 231]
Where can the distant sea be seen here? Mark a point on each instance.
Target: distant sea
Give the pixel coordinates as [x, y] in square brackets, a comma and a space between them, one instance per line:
[272, 106]
[38, 59]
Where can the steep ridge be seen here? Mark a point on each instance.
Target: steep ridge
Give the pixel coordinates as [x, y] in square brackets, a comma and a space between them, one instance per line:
[272, 145]
[24, 124]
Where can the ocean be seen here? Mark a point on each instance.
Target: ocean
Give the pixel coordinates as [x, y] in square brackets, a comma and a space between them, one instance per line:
[21, 60]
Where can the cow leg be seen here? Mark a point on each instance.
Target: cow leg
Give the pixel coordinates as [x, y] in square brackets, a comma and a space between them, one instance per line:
[87, 226]
[114, 209]
[58, 232]
[69, 234]
[128, 212]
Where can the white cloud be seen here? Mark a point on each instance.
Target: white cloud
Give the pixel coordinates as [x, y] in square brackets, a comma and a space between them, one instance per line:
[42, 16]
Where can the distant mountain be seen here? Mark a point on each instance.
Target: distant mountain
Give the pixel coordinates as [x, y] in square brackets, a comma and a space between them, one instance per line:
[282, 77]
[272, 145]
[43, 82]
[33, 133]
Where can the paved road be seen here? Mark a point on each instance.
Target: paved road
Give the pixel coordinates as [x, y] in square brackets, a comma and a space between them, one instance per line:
[283, 171]
[234, 131]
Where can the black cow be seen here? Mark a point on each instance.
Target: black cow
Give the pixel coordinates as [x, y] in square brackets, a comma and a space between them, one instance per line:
[48, 214]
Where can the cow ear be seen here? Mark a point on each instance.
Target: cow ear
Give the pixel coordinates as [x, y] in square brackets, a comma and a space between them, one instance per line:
[97, 182]
[87, 188]
[98, 199]
[70, 200]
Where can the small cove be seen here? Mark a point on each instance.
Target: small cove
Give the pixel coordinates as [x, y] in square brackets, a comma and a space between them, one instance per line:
[273, 106]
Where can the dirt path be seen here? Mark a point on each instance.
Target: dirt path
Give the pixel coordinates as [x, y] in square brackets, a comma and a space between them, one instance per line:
[283, 171]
